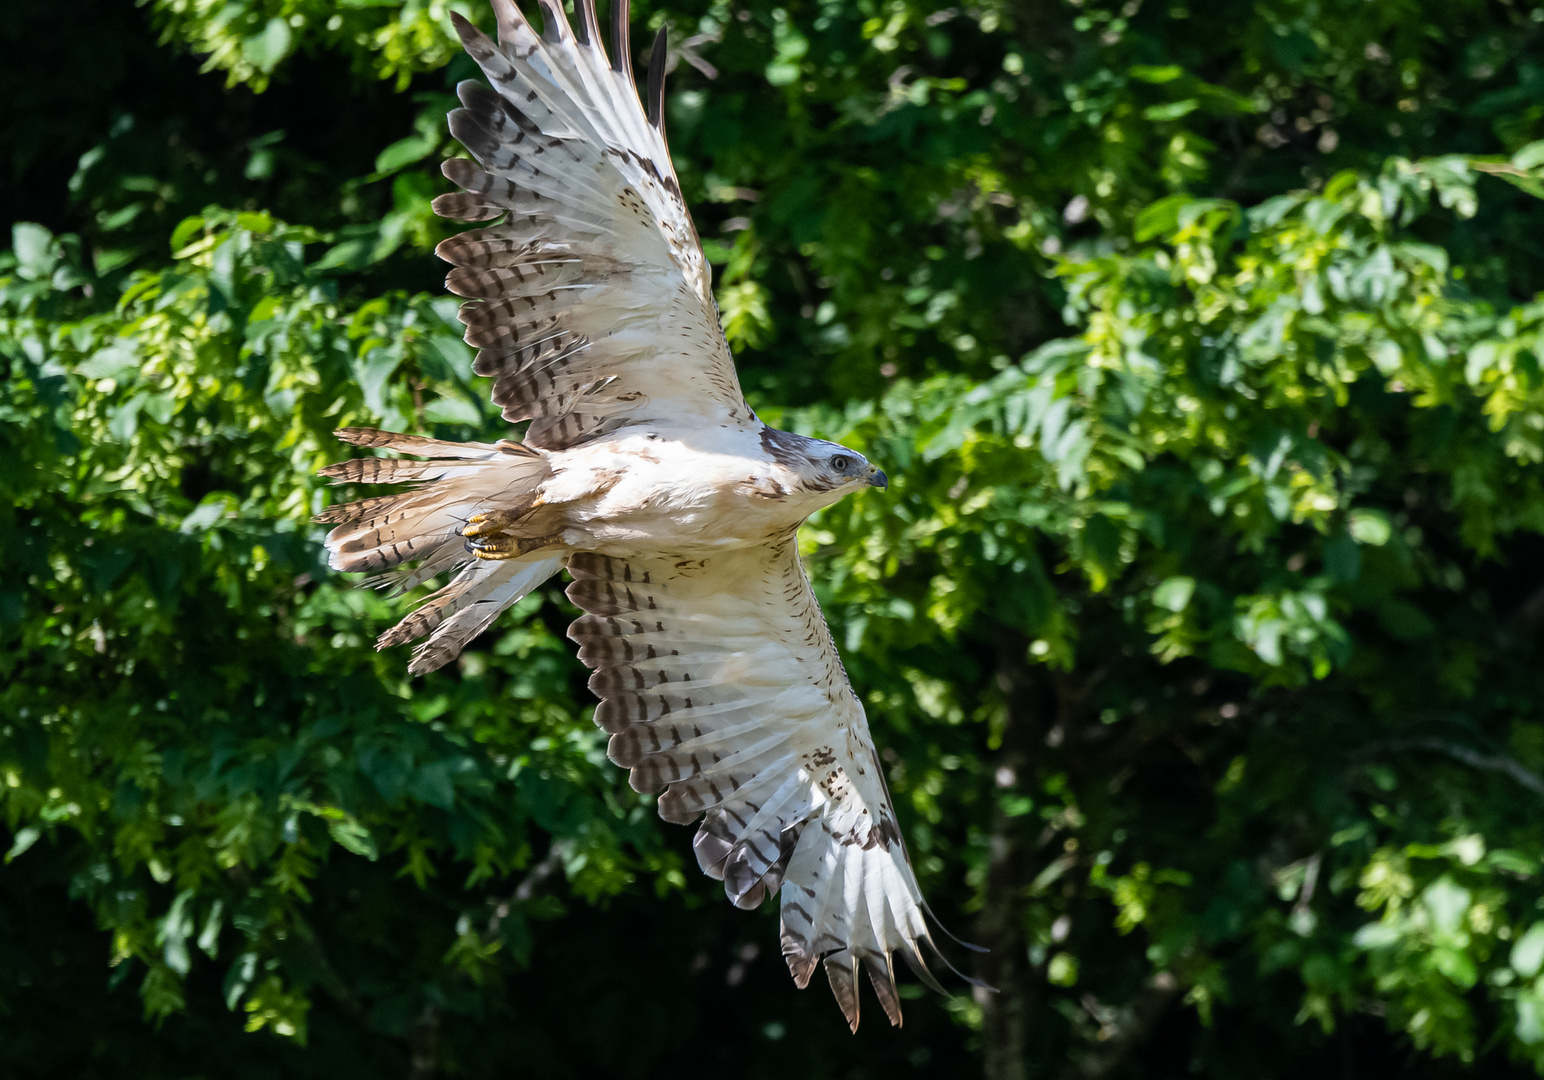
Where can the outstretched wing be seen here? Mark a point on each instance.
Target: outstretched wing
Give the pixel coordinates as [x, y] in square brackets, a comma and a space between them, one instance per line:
[719, 682]
[590, 301]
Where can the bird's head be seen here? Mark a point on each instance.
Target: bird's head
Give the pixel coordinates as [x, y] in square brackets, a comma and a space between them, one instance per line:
[823, 470]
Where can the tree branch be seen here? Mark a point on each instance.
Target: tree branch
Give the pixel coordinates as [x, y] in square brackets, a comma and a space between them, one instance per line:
[1000, 926]
[533, 880]
[1498, 763]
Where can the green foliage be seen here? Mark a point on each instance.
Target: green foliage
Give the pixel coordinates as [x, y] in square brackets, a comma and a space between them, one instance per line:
[1200, 624]
[248, 41]
[1236, 456]
[164, 452]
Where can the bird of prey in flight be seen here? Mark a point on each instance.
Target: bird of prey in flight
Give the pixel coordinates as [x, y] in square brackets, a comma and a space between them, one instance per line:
[647, 477]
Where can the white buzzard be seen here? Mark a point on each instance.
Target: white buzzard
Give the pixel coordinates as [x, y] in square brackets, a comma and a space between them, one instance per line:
[645, 474]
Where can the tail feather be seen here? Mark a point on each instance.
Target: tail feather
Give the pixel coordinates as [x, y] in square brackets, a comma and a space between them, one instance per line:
[417, 445]
[404, 579]
[359, 510]
[359, 521]
[418, 525]
[467, 606]
[413, 537]
[394, 470]
[377, 558]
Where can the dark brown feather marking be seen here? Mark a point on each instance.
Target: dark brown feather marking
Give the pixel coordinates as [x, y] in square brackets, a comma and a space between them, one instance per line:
[657, 82]
[621, 45]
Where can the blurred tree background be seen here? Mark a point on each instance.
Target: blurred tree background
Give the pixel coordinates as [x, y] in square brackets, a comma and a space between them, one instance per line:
[1202, 625]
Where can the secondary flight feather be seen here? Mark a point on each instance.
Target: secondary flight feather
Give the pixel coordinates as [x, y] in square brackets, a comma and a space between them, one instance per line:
[645, 474]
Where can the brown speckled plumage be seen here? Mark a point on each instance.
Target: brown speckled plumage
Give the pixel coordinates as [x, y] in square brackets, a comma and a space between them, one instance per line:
[643, 471]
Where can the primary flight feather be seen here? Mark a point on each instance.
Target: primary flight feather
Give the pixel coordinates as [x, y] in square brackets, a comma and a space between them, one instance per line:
[644, 473]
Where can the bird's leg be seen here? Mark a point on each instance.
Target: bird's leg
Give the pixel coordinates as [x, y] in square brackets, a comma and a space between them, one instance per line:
[487, 535]
[494, 522]
[511, 547]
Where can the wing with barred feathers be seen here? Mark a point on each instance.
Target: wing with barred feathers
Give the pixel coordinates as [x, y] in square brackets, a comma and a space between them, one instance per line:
[719, 683]
[590, 301]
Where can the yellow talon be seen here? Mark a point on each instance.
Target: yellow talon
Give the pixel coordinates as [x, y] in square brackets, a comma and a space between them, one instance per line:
[494, 522]
[480, 525]
[511, 547]
[492, 550]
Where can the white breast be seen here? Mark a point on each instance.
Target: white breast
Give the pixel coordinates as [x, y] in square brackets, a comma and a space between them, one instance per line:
[642, 493]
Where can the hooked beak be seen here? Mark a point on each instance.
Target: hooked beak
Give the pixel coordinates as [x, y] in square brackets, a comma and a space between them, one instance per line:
[879, 479]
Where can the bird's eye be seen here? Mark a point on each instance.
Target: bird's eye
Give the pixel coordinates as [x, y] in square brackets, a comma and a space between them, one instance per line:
[840, 462]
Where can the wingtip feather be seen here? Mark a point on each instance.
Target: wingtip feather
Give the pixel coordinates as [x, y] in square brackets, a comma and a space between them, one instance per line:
[473, 40]
[801, 966]
[936, 921]
[509, 19]
[919, 968]
[621, 44]
[588, 30]
[841, 970]
[657, 82]
[554, 24]
[979, 984]
[882, 979]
